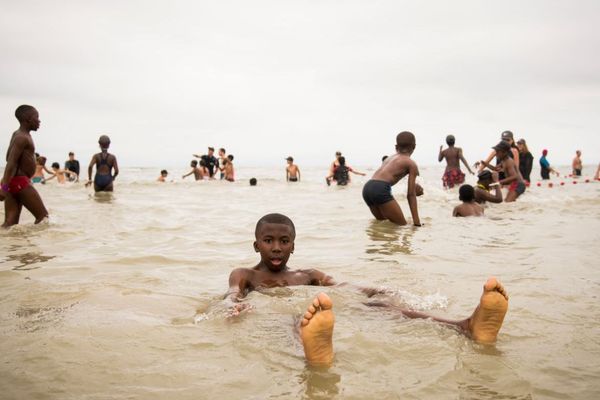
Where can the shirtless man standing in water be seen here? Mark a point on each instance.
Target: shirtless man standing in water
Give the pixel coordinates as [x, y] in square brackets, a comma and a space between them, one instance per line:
[17, 190]
[275, 235]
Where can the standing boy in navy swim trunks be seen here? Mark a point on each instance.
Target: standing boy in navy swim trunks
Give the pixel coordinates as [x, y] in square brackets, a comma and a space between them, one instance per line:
[377, 192]
[511, 171]
[17, 190]
[105, 163]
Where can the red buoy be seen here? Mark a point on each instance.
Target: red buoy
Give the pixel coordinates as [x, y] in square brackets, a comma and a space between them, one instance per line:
[562, 184]
[539, 184]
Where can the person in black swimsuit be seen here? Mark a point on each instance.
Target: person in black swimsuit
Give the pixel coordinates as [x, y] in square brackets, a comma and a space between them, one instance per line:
[105, 163]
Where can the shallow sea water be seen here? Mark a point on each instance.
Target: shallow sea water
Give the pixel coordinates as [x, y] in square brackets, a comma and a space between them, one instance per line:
[120, 296]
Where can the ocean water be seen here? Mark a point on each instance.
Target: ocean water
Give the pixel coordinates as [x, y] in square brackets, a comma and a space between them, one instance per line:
[119, 297]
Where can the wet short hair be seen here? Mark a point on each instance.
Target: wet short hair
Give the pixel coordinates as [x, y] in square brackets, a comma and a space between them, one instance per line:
[485, 175]
[230, 157]
[211, 148]
[384, 158]
[23, 112]
[194, 163]
[450, 140]
[253, 181]
[222, 149]
[164, 172]
[405, 140]
[466, 193]
[56, 165]
[104, 139]
[275, 218]
[342, 160]
[71, 153]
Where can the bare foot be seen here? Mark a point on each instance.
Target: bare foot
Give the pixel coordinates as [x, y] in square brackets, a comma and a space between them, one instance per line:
[316, 331]
[487, 318]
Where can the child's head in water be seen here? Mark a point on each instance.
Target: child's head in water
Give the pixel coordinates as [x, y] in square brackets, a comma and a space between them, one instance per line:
[253, 181]
[164, 173]
[466, 193]
[405, 142]
[55, 165]
[275, 234]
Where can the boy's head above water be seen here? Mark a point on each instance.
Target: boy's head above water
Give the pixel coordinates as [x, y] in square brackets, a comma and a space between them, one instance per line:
[405, 142]
[466, 193]
[275, 234]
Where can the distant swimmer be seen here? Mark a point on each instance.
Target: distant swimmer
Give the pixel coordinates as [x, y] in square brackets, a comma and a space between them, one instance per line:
[72, 165]
[453, 155]
[525, 160]
[195, 170]
[341, 174]
[61, 175]
[292, 172]
[16, 188]
[274, 240]
[377, 192]
[40, 167]
[210, 161]
[334, 164]
[577, 164]
[221, 164]
[511, 172]
[253, 181]
[163, 176]
[486, 181]
[468, 208]
[229, 169]
[105, 163]
[546, 169]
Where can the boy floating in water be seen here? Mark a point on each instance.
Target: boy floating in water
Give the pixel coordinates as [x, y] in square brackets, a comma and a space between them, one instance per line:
[16, 189]
[453, 155]
[377, 192]
[105, 163]
[275, 235]
[292, 172]
[195, 170]
[469, 207]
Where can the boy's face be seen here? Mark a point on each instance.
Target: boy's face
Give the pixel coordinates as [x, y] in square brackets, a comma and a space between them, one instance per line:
[34, 120]
[221, 153]
[501, 154]
[275, 243]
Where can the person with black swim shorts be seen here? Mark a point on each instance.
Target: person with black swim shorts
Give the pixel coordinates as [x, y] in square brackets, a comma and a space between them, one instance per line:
[105, 163]
[377, 193]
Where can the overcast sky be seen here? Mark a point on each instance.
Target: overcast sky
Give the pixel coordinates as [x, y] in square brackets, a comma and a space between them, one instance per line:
[268, 79]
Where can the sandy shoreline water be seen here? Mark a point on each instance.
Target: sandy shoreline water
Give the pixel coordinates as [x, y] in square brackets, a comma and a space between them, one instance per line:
[120, 297]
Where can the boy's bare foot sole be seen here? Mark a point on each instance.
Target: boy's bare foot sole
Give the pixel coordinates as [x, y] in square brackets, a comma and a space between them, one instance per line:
[487, 318]
[316, 331]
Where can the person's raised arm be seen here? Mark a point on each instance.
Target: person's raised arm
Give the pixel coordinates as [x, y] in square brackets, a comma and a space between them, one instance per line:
[411, 194]
[188, 174]
[356, 172]
[486, 162]
[441, 154]
[462, 158]
[116, 167]
[12, 159]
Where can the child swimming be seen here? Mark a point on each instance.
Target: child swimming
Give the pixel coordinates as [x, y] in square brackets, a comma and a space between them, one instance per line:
[468, 208]
[59, 174]
[274, 240]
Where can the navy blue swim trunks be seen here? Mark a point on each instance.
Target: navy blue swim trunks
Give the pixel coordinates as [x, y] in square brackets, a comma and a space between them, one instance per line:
[376, 193]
